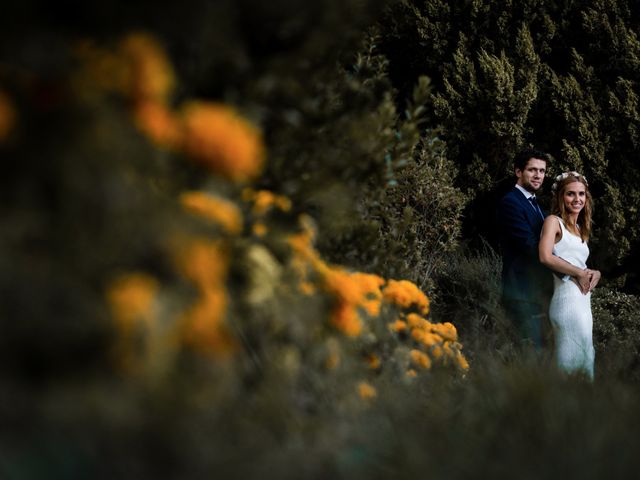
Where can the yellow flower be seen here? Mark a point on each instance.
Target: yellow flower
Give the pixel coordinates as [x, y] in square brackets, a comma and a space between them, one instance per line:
[7, 116]
[220, 211]
[150, 74]
[411, 373]
[366, 391]
[221, 140]
[406, 294]
[420, 358]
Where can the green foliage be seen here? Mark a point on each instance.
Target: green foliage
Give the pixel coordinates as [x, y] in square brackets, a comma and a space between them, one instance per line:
[476, 278]
[561, 76]
[350, 124]
[616, 333]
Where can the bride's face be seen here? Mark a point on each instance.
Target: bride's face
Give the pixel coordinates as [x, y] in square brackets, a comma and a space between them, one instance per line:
[574, 197]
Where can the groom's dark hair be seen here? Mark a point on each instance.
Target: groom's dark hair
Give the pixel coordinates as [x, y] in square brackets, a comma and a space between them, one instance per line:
[523, 156]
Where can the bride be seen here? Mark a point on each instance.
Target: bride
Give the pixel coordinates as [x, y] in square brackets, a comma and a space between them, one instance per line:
[563, 248]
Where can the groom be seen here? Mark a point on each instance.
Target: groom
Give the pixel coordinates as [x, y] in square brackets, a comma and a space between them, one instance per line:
[526, 283]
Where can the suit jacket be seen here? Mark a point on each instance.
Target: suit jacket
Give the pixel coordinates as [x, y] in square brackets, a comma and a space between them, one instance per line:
[524, 278]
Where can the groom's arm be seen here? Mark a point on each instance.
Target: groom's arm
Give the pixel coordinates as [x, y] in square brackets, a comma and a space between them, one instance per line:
[515, 227]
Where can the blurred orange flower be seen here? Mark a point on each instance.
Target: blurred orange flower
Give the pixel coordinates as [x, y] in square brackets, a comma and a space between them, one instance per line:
[420, 358]
[130, 298]
[366, 391]
[202, 261]
[373, 361]
[263, 200]
[220, 211]
[206, 263]
[406, 294]
[150, 75]
[158, 123]
[398, 326]
[220, 139]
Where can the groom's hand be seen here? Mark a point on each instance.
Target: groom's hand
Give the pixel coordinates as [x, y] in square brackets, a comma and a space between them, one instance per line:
[594, 279]
[584, 280]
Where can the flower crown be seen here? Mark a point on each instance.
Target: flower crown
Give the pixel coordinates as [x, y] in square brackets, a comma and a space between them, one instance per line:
[565, 175]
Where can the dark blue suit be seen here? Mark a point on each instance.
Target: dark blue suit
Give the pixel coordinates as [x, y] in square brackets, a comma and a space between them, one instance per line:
[526, 283]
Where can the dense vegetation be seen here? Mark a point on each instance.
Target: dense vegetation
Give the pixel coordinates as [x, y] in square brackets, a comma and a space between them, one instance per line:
[243, 237]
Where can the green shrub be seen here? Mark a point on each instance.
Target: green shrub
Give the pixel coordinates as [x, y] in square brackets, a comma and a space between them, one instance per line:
[616, 333]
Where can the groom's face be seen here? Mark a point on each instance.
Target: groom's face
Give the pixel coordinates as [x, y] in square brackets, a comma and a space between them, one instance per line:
[532, 176]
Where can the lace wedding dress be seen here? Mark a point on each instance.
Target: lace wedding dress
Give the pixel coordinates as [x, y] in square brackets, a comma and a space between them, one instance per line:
[570, 310]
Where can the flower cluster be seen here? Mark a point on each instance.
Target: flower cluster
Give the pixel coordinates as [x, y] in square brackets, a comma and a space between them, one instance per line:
[564, 176]
[262, 202]
[211, 134]
[354, 307]
[205, 263]
[359, 298]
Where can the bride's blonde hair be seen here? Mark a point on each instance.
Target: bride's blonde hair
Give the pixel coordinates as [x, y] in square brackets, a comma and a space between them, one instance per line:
[557, 202]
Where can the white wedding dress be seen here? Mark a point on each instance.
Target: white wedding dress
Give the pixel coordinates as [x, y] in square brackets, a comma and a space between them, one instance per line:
[570, 310]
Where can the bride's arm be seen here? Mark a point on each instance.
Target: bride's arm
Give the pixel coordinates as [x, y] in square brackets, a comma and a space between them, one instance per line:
[550, 231]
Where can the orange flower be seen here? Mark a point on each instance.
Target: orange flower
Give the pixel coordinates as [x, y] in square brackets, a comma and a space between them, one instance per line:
[263, 200]
[158, 123]
[446, 330]
[373, 361]
[366, 391]
[203, 326]
[131, 299]
[345, 318]
[203, 262]
[406, 294]
[259, 229]
[220, 139]
[220, 211]
[420, 358]
[398, 326]
[7, 116]
[416, 321]
[411, 373]
[352, 291]
[150, 74]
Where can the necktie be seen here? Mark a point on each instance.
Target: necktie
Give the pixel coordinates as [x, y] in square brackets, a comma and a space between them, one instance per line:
[534, 202]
